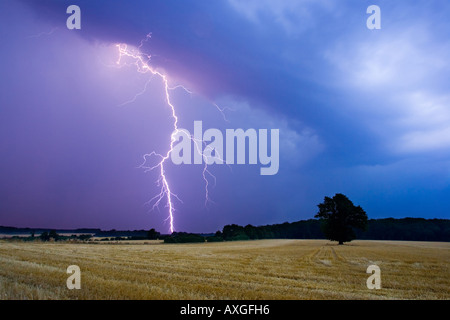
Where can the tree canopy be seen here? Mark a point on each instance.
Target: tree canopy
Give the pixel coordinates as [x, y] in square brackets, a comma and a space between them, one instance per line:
[339, 217]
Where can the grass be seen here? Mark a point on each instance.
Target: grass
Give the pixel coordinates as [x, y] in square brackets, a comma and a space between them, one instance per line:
[263, 269]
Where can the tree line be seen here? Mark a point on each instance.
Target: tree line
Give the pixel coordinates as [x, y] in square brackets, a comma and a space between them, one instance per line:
[338, 219]
[410, 229]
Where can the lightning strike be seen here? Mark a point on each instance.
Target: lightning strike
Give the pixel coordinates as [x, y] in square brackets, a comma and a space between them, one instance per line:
[141, 62]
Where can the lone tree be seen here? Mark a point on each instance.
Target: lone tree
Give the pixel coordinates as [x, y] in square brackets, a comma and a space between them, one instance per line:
[339, 217]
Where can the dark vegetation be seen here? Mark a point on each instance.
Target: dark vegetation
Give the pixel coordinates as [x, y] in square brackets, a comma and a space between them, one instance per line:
[52, 236]
[340, 218]
[184, 237]
[412, 229]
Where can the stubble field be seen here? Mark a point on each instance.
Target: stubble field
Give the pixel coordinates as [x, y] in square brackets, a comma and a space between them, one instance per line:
[264, 269]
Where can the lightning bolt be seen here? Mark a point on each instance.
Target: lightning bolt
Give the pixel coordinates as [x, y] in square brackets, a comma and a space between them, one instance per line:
[141, 62]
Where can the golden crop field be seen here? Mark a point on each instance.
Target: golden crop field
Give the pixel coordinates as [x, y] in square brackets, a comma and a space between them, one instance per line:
[263, 269]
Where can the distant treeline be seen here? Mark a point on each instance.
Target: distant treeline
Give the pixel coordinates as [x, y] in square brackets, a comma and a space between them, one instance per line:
[413, 229]
[134, 234]
[30, 234]
[51, 236]
[14, 230]
[184, 237]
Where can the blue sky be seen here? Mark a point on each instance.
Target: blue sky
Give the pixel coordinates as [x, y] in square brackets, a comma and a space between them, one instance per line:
[360, 112]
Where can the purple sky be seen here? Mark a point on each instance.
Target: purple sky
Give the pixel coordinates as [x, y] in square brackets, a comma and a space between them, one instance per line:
[360, 112]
